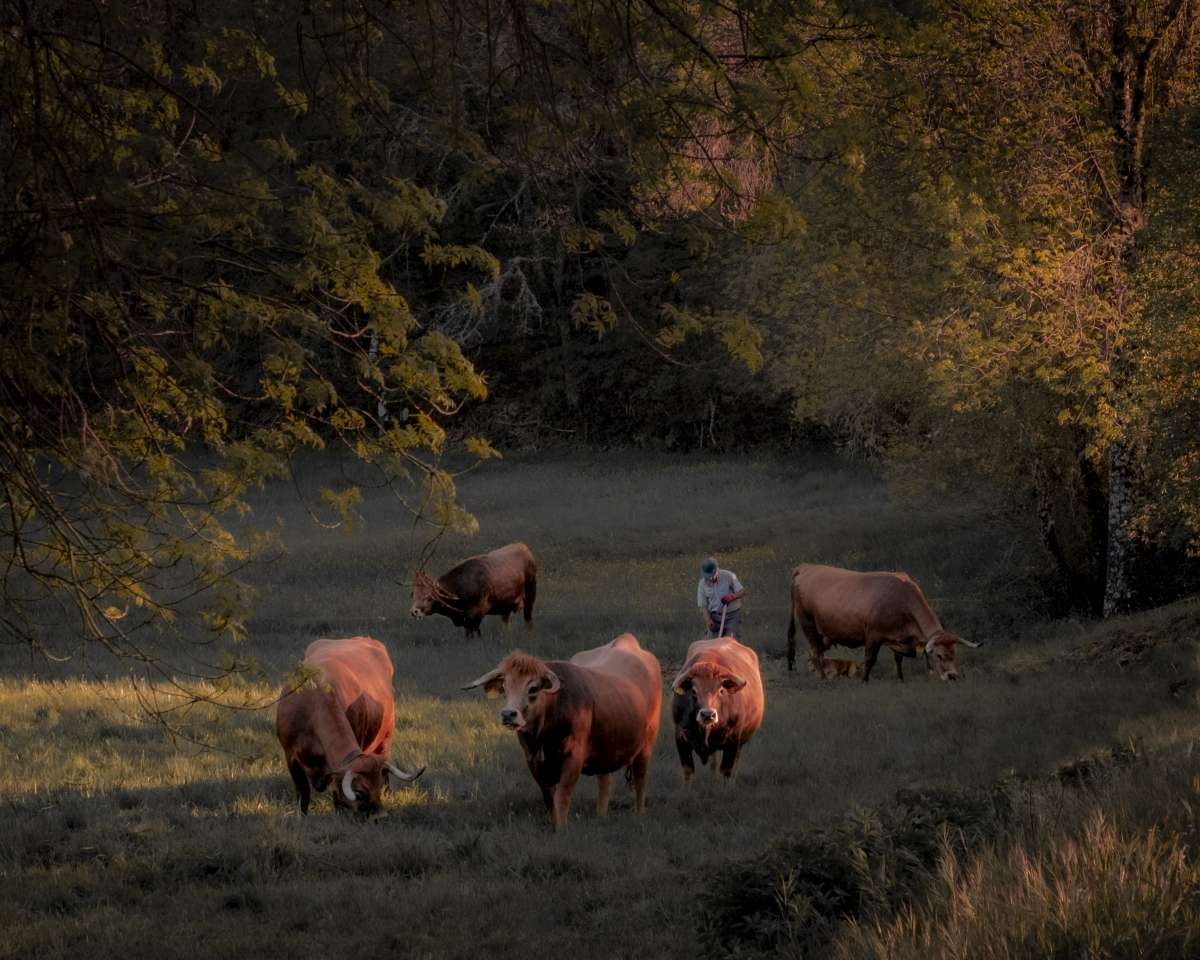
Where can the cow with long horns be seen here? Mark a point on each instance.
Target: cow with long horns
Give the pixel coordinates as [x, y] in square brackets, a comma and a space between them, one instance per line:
[337, 724]
[499, 583]
[718, 704]
[591, 715]
[869, 610]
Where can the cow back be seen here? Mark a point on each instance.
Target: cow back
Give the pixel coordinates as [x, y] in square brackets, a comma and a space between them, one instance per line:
[617, 688]
[357, 673]
[498, 575]
[847, 605]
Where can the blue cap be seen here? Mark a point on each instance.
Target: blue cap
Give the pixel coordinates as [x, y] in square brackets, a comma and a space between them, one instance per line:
[708, 567]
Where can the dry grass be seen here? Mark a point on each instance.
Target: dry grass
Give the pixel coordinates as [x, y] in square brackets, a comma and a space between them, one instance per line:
[115, 842]
[1083, 877]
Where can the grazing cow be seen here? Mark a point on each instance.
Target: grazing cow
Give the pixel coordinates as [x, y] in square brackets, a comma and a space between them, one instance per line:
[718, 703]
[339, 723]
[592, 714]
[498, 583]
[832, 667]
[869, 610]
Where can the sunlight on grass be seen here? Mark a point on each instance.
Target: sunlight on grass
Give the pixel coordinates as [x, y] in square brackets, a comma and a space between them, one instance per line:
[115, 836]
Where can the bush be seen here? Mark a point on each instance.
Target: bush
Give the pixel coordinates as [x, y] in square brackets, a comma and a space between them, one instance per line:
[806, 886]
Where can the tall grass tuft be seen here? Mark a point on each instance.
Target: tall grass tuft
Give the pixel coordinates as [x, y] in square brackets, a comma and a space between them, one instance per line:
[1110, 892]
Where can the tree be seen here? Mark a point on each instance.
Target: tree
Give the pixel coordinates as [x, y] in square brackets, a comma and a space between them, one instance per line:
[972, 304]
[198, 253]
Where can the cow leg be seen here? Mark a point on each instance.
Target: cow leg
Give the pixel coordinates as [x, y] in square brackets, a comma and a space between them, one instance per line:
[603, 792]
[816, 644]
[685, 759]
[300, 779]
[729, 759]
[899, 664]
[638, 773]
[546, 786]
[506, 618]
[872, 654]
[471, 622]
[569, 776]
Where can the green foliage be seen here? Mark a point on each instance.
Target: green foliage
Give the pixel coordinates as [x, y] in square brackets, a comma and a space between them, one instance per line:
[593, 313]
[196, 288]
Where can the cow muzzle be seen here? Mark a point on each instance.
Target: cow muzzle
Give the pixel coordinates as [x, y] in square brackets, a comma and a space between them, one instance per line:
[706, 717]
[511, 719]
[951, 675]
[415, 613]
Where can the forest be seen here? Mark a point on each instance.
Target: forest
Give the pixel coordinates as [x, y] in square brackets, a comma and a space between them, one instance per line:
[958, 239]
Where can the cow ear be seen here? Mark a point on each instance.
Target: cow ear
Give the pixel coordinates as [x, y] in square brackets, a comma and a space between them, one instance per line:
[733, 682]
[682, 683]
[550, 682]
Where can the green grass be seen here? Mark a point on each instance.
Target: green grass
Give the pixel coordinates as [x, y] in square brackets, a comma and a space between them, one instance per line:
[116, 842]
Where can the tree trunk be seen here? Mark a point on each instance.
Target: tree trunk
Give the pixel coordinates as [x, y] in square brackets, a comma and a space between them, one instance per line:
[381, 411]
[561, 311]
[1118, 578]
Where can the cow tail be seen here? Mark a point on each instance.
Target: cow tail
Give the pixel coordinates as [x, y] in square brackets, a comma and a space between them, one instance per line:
[791, 644]
[791, 634]
[530, 594]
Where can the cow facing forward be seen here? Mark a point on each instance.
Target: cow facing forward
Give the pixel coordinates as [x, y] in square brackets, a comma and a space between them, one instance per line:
[868, 610]
[718, 703]
[592, 714]
[499, 583]
[338, 724]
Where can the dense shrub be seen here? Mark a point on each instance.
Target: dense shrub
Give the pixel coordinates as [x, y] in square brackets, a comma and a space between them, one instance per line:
[806, 886]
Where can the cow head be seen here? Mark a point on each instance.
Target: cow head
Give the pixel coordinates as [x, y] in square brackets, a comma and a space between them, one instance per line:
[707, 686]
[427, 594]
[359, 784]
[939, 653]
[361, 780]
[526, 685]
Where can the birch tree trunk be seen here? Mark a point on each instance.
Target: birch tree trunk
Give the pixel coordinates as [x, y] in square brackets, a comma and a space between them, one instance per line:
[381, 411]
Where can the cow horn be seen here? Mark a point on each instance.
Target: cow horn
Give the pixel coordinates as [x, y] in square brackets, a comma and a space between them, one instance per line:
[399, 774]
[347, 788]
[484, 680]
[970, 643]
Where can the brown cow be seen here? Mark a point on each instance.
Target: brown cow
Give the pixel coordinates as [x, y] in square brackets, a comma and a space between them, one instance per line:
[868, 610]
[339, 723]
[592, 714]
[498, 583]
[832, 667]
[718, 703]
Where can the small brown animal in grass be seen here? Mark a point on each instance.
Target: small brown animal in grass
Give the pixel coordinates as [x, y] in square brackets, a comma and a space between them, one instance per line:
[592, 714]
[833, 667]
[499, 583]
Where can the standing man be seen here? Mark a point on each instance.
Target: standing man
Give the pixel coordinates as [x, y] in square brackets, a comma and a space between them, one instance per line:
[720, 590]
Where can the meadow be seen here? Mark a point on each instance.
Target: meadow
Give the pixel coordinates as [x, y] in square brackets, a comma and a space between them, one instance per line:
[116, 841]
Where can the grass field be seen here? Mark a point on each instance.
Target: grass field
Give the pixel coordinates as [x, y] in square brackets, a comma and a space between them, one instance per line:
[114, 842]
